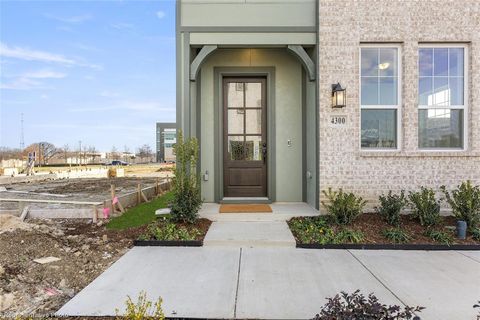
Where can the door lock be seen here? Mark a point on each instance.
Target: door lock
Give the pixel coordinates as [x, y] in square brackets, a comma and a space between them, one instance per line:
[264, 152]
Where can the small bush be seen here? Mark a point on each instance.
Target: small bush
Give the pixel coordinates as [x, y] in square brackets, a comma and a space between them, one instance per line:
[186, 183]
[475, 234]
[390, 207]
[312, 230]
[348, 236]
[166, 230]
[465, 203]
[440, 236]
[142, 309]
[396, 235]
[343, 207]
[346, 306]
[426, 208]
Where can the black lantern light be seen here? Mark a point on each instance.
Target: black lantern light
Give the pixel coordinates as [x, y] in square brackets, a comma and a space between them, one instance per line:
[339, 96]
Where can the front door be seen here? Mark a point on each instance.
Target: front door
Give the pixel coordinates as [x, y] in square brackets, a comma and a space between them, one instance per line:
[244, 137]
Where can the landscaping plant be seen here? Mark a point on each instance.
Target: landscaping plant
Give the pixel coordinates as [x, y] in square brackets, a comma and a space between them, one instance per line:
[425, 206]
[396, 235]
[348, 236]
[439, 236]
[164, 229]
[475, 234]
[186, 183]
[465, 203]
[311, 230]
[343, 207]
[356, 306]
[142, 309]
[390, 207]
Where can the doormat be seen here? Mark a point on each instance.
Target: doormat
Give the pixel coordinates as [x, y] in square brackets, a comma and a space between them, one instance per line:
[244, 208]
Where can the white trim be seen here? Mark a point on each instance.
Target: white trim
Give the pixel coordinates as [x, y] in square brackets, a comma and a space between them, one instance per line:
[397, 107]
[463, 107]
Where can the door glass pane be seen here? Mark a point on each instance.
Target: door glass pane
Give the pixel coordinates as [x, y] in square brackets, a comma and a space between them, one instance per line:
[388, 91]
[440, 128]
[369, 91]
[235, 121]
[254, 121]
[253, 95]
[235, 95]
[253, 148]
[379, 128]
[236, 148]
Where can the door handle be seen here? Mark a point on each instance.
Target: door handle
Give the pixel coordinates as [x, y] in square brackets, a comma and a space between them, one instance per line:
[264, 152]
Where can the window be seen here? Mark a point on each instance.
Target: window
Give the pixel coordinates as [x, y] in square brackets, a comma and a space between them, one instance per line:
[379, 96]
[441, 97]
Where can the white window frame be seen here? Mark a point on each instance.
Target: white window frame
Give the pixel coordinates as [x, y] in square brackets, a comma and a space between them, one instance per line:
[397, 107]
[465, 96]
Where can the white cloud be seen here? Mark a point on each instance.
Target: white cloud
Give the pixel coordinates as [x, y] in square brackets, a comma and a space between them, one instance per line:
[72, 19]
[126, 105]
[30, 80]
[44, 74]
[109, 94]
[122, 25]
[160, 14]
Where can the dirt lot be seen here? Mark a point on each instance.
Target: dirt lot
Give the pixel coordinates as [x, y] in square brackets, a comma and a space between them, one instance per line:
[84, 250]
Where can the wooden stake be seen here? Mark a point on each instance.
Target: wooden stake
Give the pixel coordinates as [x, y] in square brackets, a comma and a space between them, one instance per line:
[112, 193]
[157, 188]
[139, 191]
[24, 213]
[95, 216]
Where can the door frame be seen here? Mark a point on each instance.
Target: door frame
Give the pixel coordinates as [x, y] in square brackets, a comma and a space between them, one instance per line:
[219, 74]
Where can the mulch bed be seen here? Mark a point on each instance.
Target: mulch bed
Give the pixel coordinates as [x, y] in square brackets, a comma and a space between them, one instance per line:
[372, 226]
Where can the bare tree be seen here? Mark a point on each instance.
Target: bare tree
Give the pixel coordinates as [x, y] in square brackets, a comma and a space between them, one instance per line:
[44, 151]
[10, 153]
[144, 152]
[66, 148]
[126, 151]
[93, 153]
[114, 153]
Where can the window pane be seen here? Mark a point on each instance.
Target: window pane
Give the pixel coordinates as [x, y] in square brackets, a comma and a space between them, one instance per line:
[369, 61]
[441, 92]
[235, 95]
[440, 128]
[236, 148]
[456, 90]
[253, 95]
[388, 62]
[456, 61]
[369, 91]
[254, 121]
[425, 62]
[253, 148]
[388, 91]
[379, 128]
[425, 91]
[440, 62]
[235, 121]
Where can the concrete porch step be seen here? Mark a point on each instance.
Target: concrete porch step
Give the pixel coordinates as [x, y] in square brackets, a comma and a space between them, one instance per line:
[249, 234]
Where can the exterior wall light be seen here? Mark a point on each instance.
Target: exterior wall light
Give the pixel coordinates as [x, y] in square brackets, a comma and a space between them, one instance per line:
[339, 96]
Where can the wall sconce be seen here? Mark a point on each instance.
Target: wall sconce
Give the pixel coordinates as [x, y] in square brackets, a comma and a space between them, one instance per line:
[339, 96]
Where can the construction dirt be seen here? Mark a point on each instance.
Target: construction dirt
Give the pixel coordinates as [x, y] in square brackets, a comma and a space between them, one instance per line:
[75, 252]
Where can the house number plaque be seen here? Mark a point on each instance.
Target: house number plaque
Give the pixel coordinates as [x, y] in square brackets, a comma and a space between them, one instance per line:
[338, 121]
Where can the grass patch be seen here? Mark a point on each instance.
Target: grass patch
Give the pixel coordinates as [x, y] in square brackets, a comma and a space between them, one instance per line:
[140, 215]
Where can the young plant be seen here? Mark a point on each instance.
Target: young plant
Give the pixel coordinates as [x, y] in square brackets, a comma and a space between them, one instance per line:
[440, 236]
[166, 230]
[465, 203]
[343, 207]
[426, 208]
[348, 236]
[357, 306]
[186, 183]
[390, 207]
[396, 235]
[311, 230]
[142, 309]
[475, 234]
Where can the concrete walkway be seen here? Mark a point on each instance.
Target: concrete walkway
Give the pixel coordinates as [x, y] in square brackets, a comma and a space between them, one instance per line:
[282, 283]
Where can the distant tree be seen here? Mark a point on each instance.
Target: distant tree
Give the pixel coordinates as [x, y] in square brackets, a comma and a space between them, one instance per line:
[114, 153]
[65, 150]
[10, 153]
[144, 152]
[44, 151]
[92, 151]
[126, 152]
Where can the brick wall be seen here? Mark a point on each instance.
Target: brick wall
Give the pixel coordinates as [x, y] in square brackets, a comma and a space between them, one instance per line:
[343, 26]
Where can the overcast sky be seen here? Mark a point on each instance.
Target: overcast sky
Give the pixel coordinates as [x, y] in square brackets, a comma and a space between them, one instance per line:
[102, 72]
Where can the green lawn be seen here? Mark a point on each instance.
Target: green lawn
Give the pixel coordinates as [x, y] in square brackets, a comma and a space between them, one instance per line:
[140, 215]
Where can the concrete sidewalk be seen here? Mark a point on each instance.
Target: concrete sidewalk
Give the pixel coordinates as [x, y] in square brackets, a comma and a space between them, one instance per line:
[282, 283]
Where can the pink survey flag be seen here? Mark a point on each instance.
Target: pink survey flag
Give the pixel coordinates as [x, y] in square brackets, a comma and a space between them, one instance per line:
[115, 200]
[106, 212]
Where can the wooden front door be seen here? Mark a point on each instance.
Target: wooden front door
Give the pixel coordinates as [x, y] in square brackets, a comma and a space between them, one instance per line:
[244, 137]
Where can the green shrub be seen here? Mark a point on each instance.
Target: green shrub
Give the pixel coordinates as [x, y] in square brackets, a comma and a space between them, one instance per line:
[343, 207]
[440, 236]
[465, 203]
[390, 207]
[166, 230]
[426, 208]
[475, 234]
[348, 236]
[396, 235]
[142, 309]
[186, 183]
[354, 306]
[311, 230]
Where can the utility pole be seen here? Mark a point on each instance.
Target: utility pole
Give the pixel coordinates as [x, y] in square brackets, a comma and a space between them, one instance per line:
[80, 151]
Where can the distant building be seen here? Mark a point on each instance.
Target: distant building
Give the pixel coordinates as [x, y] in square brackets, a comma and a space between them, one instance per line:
[166, 138]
